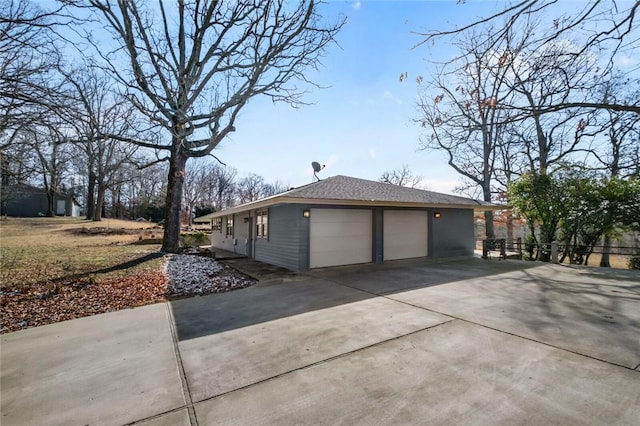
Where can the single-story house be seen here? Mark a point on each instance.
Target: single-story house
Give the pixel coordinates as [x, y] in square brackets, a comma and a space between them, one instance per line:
[343, 220]
[29, 201]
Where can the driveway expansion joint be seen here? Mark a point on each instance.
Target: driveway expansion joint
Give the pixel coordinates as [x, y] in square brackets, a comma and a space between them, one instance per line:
[323, 361]
[156, 416]
[637, 368]
[183, 377]
[522, 337]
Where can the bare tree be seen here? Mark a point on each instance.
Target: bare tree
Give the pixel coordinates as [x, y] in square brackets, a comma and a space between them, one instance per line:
[17, 160]
[141, 192]
[618, 132]
[28, 63]
[274, 188]
[221, 188]
[402, 176]
[464, 110]
[191, 69]
[618, 156]
[54, 157]
[608, 28]
[98, 111]
[28, 87]
[18, 165]
[250, 188]
[195, 185]
[540, 79]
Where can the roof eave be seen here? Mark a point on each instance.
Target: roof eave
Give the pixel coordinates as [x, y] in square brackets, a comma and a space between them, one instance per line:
[333, 202]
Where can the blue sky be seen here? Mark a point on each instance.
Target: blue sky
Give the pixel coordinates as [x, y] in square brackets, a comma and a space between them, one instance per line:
[361, 125]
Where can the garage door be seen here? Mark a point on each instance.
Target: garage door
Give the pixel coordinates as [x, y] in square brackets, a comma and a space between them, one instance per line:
[339, 237]
[405, 234]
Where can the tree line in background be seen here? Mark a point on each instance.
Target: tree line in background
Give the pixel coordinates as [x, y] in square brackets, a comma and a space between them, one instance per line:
[106, 97]
[541, 110]
[126, 192]
[534, 103]
[63, 128]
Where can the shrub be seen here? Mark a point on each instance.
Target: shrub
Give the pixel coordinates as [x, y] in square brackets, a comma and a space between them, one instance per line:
[195, 239]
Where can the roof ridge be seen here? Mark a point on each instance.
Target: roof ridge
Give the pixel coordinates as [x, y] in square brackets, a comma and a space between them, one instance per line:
[349, 190]
[406, 188]
[306, 185]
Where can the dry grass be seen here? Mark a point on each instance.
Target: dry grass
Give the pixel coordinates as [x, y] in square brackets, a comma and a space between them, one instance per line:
[37, 250]
[617, 261]
[56, 269]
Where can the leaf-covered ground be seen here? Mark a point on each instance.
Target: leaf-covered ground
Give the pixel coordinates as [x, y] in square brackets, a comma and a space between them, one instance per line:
[52, 273]
[182, 276]
[53, 302]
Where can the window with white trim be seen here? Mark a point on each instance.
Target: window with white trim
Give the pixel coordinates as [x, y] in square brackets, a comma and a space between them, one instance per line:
[262, 224]
[216, 224]
[229, 226]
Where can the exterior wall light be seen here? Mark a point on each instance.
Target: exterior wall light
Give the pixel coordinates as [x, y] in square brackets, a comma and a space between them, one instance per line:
[436, 215]
[306, 213]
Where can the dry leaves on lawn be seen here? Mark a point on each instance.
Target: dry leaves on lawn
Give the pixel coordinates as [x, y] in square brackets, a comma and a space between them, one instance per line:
[55, 301]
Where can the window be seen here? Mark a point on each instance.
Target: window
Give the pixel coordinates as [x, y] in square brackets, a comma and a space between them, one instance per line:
[262, 224]
[229, 226]
[217, 224]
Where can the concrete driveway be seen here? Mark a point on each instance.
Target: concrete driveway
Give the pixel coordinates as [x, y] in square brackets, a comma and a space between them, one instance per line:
[408, 342]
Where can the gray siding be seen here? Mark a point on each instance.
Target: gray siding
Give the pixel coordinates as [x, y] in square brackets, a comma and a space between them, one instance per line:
[288, 242]
[25, 201]
[219, 238]
[452, 234]
[242, 229]
[237, 243]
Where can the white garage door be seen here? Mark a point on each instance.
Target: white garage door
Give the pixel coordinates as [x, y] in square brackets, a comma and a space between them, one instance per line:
[405, 234]
[339, 237]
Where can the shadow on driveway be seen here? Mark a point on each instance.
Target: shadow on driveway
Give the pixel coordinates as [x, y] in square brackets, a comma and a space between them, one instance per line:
[267, 334]
[587, 311]
[321, 289]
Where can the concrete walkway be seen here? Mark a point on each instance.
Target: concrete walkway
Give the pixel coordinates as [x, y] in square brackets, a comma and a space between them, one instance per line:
[407, 342]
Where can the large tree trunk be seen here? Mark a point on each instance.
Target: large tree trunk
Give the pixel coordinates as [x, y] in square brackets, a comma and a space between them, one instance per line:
[91, 187]
[488, 221]
[177, 168]
[608, 240]
[51, 202]
[488, 215]
[509, 224]
[4, 182]
[606, 248]
[97, 213]
[190, 209]
[547, 233]
[119, 213]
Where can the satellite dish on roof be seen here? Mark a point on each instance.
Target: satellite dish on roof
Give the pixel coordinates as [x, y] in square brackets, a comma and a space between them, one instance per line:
[316, 168]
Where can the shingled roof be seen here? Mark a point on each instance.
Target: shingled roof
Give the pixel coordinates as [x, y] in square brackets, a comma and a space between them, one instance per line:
[345, 190]
[354, 189]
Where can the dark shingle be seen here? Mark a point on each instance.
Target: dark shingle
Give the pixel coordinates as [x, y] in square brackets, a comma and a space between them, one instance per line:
[348, 188]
